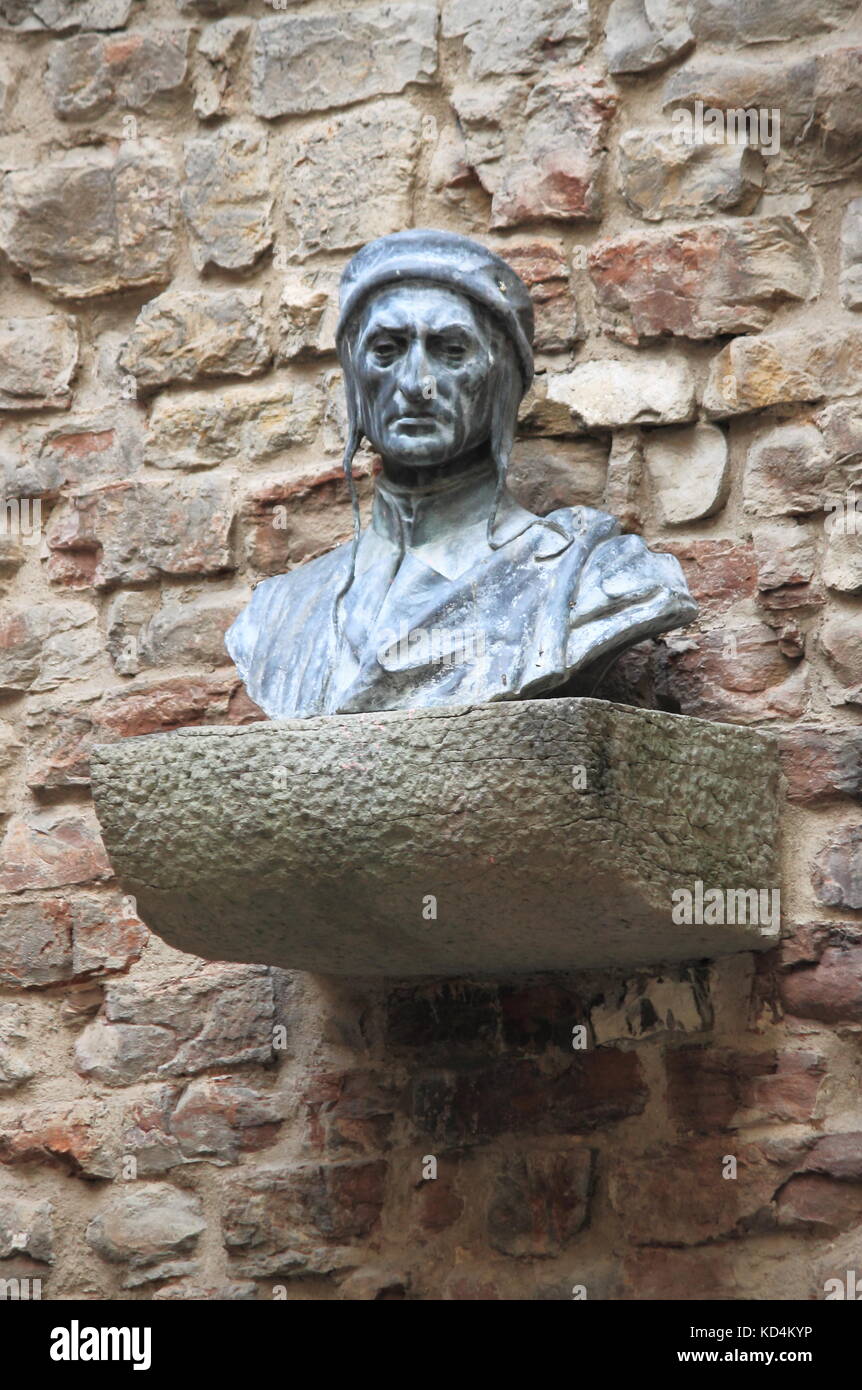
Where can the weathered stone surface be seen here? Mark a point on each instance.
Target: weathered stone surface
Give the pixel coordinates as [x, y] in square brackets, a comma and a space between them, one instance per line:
[831, 990]
[609, 394]
[227, 197]
[214, 1016]
[92, 222]
[264, 767]
[819, 765]
[301, 1218]
[786, 554]
[841, 427]
[348, 1114]
[677, 1196]
[539, 1201]
[713, 1090]
[218, 57]
[62, 734]
[545, 474]
[290, 522]
[26, 1228]
[61, 15]
[91, 74]
[504, 38]
[15, 1068]
[651, 1005]
[307, 63]
[146, 1225]
[543, 268]
[645, 34]
[84, 449]
[186, 335]
[320, 176]
[10, 750]
[737, 674]
[765, 21]
[837, 873]
[817, 98]
[252, 423]
[64, 938]
[777, 368]
[207, 7]
[43, 644]
[817, 1203]
[8, 84]
[837, 1156]
[538, 151]
[701, 281]
[38, 359]
[840, 640]
[215, 1119]
[661, 1273]
[785, 471]
[70, 1137]
[842, 560]
[663, 177]
[51, 848]
[308, 314]
[624, 483]
[689, 471]
[851, 256]
[127, 533]
[185, 634]
[582, 1093]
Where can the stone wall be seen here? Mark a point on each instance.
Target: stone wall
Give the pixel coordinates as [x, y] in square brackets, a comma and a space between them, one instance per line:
[183, 181]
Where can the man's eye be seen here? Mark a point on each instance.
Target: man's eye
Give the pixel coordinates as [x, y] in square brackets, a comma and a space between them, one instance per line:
[385, 350]
[452, 352]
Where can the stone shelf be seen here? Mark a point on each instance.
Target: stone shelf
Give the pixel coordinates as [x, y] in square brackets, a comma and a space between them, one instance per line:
[545, 834]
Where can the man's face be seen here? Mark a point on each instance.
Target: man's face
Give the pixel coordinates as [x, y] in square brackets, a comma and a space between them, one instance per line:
[423, 363]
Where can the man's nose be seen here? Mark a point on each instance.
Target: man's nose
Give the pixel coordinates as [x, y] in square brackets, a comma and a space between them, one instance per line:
[414, 375]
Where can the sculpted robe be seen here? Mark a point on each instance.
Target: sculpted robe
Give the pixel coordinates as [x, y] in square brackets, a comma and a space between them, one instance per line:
[435, 616]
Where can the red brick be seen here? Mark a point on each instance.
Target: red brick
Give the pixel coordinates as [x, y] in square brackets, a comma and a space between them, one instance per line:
[290, 522]
[812, 1201]
[678, 1196]
[679, 1276]
[539, 1201]
[837, 1156]
[50, 849]
[71, 1137]
[837, 872]
[831, 991]
[438, 1201]
[700, 281]
[35, 943]
[819, 764]
[718, 572]
[348, 1113]
[511, 1096]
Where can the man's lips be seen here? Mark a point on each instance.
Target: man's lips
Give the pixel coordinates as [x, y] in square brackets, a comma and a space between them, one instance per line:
[422, 422]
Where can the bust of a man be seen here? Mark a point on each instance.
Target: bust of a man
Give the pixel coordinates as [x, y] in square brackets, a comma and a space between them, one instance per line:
[454, 594]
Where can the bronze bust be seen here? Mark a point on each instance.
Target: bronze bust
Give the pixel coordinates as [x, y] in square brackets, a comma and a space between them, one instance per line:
[454, 594]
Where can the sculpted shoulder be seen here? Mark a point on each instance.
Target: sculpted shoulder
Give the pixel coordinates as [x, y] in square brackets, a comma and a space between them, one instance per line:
[274, 600]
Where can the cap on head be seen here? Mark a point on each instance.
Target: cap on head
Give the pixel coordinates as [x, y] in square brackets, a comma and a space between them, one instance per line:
[442, 258]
